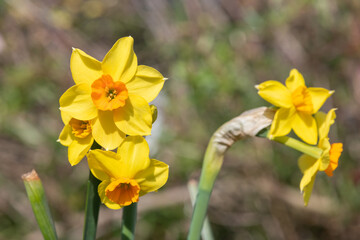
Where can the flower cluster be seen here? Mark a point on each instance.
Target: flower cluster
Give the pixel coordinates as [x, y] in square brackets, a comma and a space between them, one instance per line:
[298, 110]
[109, 105]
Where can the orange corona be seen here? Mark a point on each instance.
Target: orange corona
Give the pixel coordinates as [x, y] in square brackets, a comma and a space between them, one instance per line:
[334, 155]
[123, 191]
[80, 129]
[108, 95]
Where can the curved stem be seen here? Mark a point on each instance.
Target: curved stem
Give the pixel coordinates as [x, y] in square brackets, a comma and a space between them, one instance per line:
[129, 222]
[247, 124]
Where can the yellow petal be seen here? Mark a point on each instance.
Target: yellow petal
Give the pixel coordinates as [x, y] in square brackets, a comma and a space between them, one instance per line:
[147, 83]
[135, 117]
[84, 68]
[152, 178]
[308, 190]
[309, 166]
[121, 62]
[134, 152]
[104, 199]
[324, 122]
[105, 131]
[104, 164]
[78, 149]
[282, 122]
[65, 117]
[318, 97]
[305, 162]
[294, 80]
[275, 93]
[304, 126]
[77, 102]
[66, 137]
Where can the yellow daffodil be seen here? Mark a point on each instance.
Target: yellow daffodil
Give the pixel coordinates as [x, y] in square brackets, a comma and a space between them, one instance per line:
[328, 161]
[77, 136]
[296, 103]
[127, 174]
[113, 95]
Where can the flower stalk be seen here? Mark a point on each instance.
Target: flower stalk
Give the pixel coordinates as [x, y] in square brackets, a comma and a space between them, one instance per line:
[206, 232]
[36, 195]
[246, 125]
[129, 222]
[312, 151]
[92, 205]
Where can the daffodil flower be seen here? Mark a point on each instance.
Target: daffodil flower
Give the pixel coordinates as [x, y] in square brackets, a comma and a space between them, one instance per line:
[296, 104]
[113, 95]
[128, 174]
[77, 136]
[328, 161]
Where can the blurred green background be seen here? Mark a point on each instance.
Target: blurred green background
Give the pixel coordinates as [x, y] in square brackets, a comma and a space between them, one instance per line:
[213, 52]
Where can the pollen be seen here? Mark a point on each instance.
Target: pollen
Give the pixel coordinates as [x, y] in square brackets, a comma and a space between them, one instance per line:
[123, 191]
[301, 99]
[80, 129]
[108, 95]
[334, 155]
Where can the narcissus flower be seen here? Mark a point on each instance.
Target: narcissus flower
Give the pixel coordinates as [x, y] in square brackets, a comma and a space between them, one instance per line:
[296, 103]
[77, 136]
[328, 161]
[113, 95]
[128, 174]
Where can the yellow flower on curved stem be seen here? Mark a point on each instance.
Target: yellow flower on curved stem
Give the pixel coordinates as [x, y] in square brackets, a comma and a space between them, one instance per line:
[296, 103]
[128, 174]
[328, 161]
[77, 136]
[113, 95]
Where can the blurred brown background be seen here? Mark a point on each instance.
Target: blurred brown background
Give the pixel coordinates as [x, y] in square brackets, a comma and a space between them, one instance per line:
[213, 52]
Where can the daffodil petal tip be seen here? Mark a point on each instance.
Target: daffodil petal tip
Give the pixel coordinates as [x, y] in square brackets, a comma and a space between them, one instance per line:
[257, 87]
[331, 92]
[58, 140]
[165, 79]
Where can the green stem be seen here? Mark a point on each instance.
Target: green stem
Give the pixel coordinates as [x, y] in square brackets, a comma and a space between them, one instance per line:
[212, 164]
[36, 195]
[92, 204]
[312, 151]
[129, 222]
[206, 232]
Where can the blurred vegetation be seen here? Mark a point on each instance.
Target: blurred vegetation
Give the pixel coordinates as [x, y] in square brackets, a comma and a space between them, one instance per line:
[213, 52]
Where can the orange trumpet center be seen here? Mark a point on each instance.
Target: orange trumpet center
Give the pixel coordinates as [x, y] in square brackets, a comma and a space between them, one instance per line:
[301, 98]
[334, 155]
[80, 129]
[108, 95]
[123, 191]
